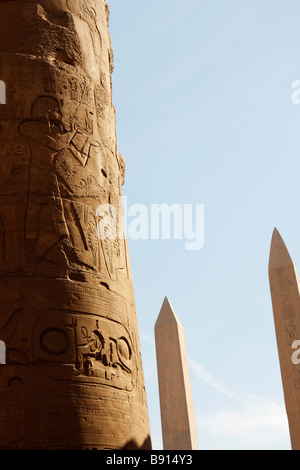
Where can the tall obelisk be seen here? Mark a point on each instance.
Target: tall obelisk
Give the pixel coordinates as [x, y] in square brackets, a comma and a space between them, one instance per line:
[175, 393]
[284, 285]
[73, 377]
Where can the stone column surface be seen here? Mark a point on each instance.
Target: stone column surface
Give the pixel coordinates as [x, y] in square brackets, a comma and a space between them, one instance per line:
[175, 393]
[73, 376]
[285, 294]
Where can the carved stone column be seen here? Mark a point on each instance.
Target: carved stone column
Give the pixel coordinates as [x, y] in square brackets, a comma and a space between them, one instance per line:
[73, 378]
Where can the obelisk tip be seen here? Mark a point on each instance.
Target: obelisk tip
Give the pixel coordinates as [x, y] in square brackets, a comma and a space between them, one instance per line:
[167, 303]
[276, 237]
[166, 315]
[279, 255]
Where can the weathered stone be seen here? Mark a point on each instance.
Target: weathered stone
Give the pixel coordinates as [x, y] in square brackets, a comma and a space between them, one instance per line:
[284, 285]
[175, 393]
[73, 378]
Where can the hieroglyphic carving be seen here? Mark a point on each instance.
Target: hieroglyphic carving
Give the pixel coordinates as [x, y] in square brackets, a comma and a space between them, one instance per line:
[285, 290]
[67, 312]
[47, 138]
[12, 333]
[284, 286]
[95, 349]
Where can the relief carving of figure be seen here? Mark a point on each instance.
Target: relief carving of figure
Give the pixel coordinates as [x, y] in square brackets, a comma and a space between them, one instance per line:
[47, 137]
[95, 349]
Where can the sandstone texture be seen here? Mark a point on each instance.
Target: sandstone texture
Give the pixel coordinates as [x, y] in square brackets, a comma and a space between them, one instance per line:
[285, 295]
[175, 392]
[73, 377]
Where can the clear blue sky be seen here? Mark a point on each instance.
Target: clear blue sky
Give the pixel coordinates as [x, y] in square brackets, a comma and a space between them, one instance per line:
[203, 95]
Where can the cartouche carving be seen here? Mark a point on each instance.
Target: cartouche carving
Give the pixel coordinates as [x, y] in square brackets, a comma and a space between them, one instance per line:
[73, 377]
